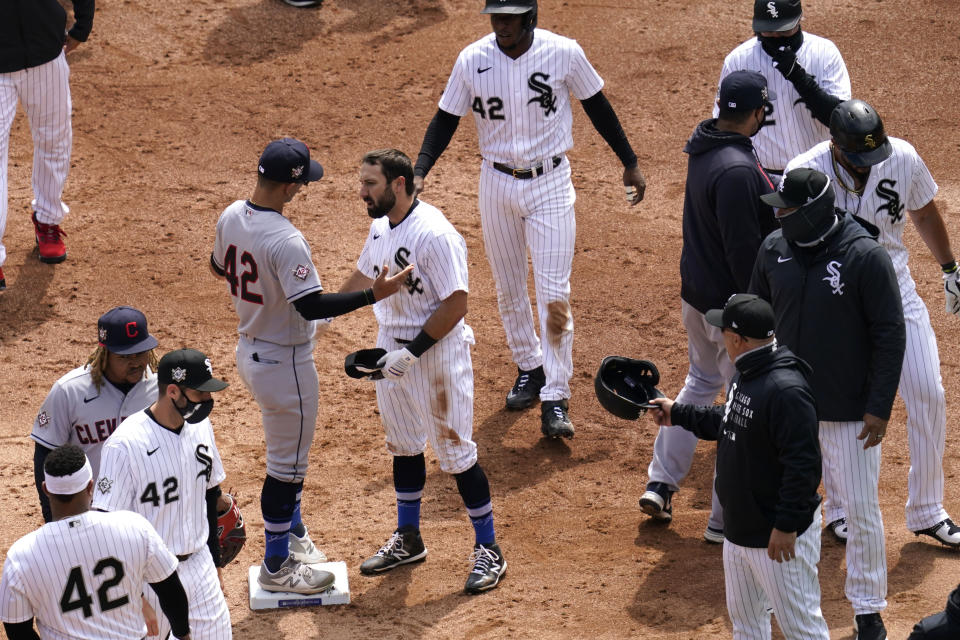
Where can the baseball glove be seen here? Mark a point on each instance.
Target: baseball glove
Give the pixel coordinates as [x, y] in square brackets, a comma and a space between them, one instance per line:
[625, 386]
[231, 531]
[363, 364]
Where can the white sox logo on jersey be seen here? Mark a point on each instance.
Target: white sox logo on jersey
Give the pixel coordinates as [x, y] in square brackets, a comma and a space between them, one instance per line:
[413, 285]
[205, 461]
[893, 206]
[833, 268]
[545, 97]
[772, 9]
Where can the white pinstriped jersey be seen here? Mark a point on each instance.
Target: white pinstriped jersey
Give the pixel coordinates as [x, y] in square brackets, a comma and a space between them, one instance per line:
[75, 412]
[521, 107]
[82, 576]
[427, 240]
[162, 475]
[268, 265]
[790, 129]
[899, 184]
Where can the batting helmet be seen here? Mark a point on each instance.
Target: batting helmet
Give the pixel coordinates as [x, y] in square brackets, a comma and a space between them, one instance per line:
[363, 364]
[515, 7]
[625, 386]
[231, 531]
[857, 130]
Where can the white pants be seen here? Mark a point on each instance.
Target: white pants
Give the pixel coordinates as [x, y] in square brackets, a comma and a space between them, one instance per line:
[44, 92]
[756, 585]
[209, 614]
[710, 371]
[852, 474]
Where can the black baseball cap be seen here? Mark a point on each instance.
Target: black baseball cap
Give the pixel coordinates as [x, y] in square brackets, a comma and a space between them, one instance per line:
[776, 15]
[799, 187]
[744, 313]
[744, 91]
[288, 160]
[188, 368]
[515, 7]
[123, 330]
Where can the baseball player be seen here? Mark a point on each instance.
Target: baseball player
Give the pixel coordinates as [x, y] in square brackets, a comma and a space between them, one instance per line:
[85, 406]
[81, 575]
[789, 128]
[35, 73]
[879, 178]
[278, 298]
[768, 471]
[426, 393]
[724, 222]
[517, 81]
[834, 293]
[163, 463]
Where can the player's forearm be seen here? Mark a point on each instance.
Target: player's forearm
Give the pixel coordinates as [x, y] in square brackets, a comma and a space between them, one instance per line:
[818, 101]
[83, 11]
[440, 322]
[607, 124]
[315, 306]
[173, 603]
[213, 540]
[929, 224]
[438, 135]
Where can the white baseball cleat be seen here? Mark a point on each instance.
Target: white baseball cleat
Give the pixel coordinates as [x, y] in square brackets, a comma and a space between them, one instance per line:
[295, 577]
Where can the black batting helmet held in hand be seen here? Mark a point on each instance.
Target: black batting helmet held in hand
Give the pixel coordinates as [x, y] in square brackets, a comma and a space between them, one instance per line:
[515, 7]
[857, 130]
[624, 386]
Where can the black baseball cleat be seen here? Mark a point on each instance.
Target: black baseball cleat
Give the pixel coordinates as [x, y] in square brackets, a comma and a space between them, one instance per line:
[3, 281]
[488, 567]
[944, 532]
[404, 547]
[554, 422]
[869, 626]
[526, 388]
[657, 501]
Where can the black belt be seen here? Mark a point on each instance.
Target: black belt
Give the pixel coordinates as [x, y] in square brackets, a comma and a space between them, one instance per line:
[525, 174]
[185, 557]
[402, 341]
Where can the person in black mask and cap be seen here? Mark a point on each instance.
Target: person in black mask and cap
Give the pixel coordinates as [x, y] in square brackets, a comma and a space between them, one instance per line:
[837, 305]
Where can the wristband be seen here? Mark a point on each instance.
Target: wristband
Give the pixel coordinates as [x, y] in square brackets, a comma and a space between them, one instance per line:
[368, 294]
[949, 267]
[420, 344]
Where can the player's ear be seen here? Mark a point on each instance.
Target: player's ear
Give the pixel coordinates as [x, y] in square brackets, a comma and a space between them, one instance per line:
[89, 489]
[46, 492]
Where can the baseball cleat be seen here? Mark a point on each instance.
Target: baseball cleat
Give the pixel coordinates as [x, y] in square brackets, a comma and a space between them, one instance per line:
[657, 502]
[488, 567]
[713, 536]
[944, 532]
[3, 281]
[869, 626]
[839, 530]
[303, 550]
[526, 389]
[295, 577]
[303, 4]
[404, 547]
[49, 243]
[554, 422]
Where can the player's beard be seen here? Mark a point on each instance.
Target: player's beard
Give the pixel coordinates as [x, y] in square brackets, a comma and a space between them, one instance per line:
[379, 208]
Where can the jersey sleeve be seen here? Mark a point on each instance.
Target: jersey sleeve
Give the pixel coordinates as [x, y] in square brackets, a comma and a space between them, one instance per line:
[457, 95]
[14, 605]
[295, 269]
[51, 427]
[836, 79]
[727, 68]
[444, 264]
[922, 186]
[217, 475]
[160, 561]
[218, 249]
[583, 81]
[114, 488]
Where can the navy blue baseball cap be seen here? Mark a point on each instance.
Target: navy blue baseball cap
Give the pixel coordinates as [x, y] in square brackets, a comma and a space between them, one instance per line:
[123, 330]
[288, 160]
[746, 314]
[744, 91]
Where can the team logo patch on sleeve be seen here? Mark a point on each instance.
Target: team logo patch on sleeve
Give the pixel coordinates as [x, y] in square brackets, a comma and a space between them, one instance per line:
[43, 419]
[104, 484]
[179, 374]
[301, 272]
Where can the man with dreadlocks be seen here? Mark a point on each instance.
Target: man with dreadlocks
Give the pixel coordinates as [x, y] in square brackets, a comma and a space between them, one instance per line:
[86, 405]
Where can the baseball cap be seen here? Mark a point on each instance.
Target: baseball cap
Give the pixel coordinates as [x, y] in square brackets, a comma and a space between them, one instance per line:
[515, 7]
[123, 330]
[799, 187]
[288, 160]
[776, 15]
[188, 368]
[744, 91]
[744, 313]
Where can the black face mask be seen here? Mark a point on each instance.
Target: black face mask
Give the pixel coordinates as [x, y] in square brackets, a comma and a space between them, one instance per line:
[811, 222]
[772, 45]
[193, 412]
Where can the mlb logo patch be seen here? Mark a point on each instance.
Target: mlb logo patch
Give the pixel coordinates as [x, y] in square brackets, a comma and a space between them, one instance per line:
[43, 419]
[301, 272]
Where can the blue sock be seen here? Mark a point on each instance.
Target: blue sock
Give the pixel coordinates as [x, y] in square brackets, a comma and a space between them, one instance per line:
[475, 491]
[277, 506]
[296, 523]
[278, 548]
[483, 526]
[408, 512]
[409, 476]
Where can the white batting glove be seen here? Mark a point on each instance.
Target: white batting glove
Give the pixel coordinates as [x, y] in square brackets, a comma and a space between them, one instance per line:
[323, 324]
[395, 363]
[951, 288]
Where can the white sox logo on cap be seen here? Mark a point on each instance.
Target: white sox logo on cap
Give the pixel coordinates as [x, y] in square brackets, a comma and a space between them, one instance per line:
[772, 9]
[209, 366]
[179, 374]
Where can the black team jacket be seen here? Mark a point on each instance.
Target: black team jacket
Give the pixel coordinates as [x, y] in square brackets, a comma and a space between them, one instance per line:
[32, 32]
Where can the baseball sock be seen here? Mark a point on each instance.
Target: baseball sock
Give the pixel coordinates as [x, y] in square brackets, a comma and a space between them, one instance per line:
[409, 477]
[475, 491]
[296, 523]
[277, 504]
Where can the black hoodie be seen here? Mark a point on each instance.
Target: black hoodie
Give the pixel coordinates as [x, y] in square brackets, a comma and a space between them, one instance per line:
[32, 32]
[724, 220]
[768, 451]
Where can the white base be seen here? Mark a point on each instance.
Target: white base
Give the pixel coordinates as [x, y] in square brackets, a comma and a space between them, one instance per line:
[339, 594]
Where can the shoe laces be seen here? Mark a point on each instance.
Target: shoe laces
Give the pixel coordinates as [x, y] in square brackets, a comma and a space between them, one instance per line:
[395, 542]
[558, 411]
[521, 382]
[482, 558]
[50, 232]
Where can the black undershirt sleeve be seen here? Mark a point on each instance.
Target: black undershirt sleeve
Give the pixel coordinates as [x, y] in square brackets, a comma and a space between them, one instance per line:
[439, 133]
[213, 540]
[40, 454]
[605, 121]
[21, 630]
[317, 305]
[173, 603]
[217, 270]
[819, 102]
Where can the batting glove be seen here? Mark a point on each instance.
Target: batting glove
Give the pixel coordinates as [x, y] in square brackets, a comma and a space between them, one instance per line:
[951, 288]
[396, 363]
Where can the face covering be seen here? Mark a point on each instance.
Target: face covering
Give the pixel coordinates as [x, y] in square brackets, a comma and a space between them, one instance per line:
[193, 412]
[810, 223]
[772, 44]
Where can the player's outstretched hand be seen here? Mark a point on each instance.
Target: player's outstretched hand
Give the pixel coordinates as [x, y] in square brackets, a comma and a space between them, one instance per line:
[661, 414]
[874, 429]
[395, 363]
[150, 618]
[417, 185]
[635, 184]
[385, 285]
